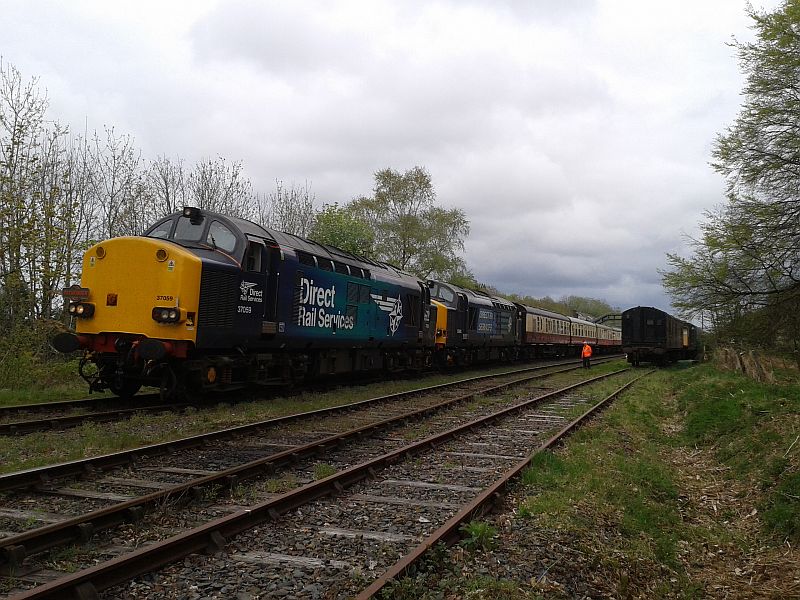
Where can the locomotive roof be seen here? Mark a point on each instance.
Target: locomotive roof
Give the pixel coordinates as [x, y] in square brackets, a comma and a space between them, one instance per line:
[478, 296]
[295, 242]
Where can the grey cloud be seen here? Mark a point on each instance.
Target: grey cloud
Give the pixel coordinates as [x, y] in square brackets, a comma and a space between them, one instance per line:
[575, 135]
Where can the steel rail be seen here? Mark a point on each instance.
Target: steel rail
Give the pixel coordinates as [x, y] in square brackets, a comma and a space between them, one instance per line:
[45, 475]
[14, 549]
[56, 423]
[483, 502]
[212, 536]
[82, 403]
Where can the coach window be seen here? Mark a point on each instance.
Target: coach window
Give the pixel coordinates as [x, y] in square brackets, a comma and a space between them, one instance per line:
[221, 237]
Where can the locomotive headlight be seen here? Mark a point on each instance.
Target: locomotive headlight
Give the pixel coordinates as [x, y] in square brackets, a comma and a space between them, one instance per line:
[100, 252]
[161, 255]
[84, 310]
[163, 314]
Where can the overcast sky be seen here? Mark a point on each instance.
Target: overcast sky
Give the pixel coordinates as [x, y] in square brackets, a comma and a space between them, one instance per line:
[575, 134]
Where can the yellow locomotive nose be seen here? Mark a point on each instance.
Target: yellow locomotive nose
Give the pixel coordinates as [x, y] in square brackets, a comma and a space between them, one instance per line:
[141, 286]
[441, 324]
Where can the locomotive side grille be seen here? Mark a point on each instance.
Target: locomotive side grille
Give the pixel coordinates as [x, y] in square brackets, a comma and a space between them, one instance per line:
[296, 294]
[218, 293]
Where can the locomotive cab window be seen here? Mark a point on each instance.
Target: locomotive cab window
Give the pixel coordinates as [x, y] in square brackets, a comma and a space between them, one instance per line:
[221, 237]
[443, 294]
[161, 231]
[188, 229]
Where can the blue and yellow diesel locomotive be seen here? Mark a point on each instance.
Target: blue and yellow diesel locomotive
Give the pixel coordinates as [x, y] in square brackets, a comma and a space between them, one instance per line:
[203, 301]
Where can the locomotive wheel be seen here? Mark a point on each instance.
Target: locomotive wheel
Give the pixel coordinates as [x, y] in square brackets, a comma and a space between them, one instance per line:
[127, 390]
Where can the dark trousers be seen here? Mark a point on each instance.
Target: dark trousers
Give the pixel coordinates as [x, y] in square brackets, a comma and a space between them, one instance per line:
[586, 362]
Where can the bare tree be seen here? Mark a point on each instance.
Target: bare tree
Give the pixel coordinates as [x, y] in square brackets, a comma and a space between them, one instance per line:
[216, 185]
[22, 111]
[52, 219]
[166, 186]
[288, 209]
[116, 183]
[78, 192]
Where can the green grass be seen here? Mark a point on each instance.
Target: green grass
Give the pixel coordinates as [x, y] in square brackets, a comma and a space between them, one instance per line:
[620, 468]
[752, 427]
[635, 491]
[478, 535]
[323, 470]
[42, 382]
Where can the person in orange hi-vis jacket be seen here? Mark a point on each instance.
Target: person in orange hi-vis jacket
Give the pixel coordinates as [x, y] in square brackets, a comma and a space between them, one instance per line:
[586, 354]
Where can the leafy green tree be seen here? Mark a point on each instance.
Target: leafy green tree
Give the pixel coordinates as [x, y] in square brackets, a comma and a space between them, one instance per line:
[411, 232]
[344, 228]
[588, 306]
[748, 255]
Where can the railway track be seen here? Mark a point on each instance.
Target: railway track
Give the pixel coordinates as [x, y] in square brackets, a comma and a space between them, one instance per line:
[272, 448]
[19, 419]
[16, 419]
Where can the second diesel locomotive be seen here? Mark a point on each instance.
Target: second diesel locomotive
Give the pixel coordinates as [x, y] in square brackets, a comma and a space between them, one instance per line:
[205, 301]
